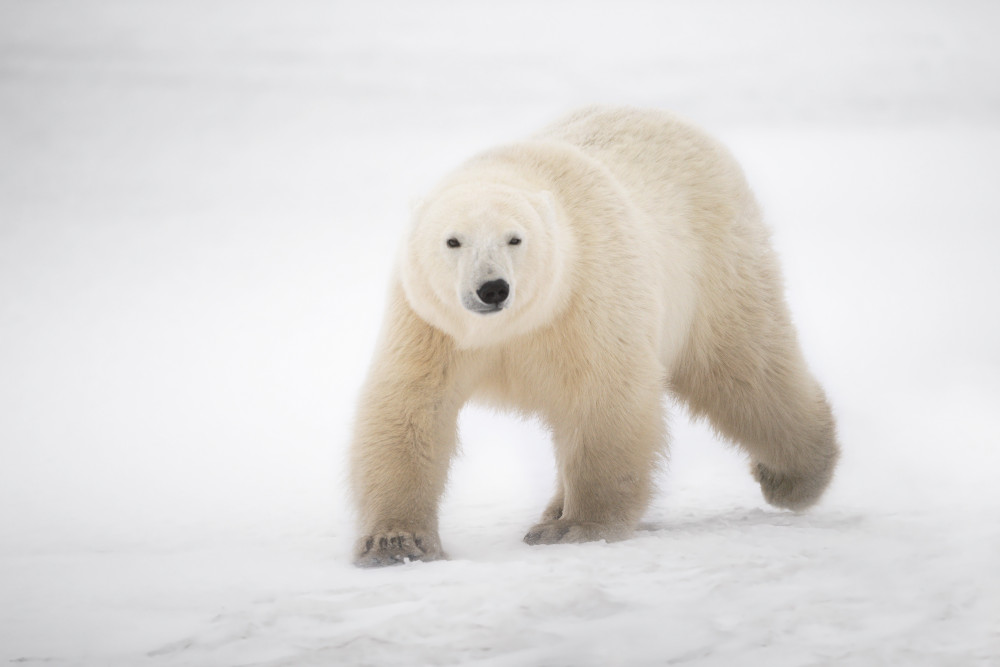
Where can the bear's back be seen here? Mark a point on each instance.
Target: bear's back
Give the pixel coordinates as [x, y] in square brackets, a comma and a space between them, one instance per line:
[673, 171]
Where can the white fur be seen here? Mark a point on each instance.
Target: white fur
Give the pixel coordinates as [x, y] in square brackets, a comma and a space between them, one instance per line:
[640, 265]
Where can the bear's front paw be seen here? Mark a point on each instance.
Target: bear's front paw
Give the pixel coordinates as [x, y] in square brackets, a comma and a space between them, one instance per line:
[563, 531]
[396, 546]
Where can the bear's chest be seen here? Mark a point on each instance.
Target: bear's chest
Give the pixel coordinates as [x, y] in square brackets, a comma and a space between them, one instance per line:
[535, 377]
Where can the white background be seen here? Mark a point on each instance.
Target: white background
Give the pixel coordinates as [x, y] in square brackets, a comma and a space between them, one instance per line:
[199, 206]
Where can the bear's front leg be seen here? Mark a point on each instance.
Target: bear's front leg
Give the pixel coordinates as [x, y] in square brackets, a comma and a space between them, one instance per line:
[399, 465]
[606, 456]
[404, 439]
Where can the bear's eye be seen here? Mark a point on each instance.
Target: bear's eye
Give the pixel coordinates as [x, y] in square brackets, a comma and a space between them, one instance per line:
[453, 243]
[514, 241]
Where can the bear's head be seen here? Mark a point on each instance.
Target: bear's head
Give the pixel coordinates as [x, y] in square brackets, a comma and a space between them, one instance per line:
[485, 262]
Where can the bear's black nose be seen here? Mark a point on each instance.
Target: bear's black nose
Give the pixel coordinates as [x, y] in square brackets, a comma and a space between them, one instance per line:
[493, 292]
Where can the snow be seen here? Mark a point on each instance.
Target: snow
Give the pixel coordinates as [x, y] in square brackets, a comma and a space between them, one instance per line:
[199, 203]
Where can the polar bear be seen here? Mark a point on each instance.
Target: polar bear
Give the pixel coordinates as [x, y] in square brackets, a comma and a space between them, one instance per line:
[579, 275]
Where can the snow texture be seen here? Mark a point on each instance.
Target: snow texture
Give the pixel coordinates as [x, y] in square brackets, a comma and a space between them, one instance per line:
[199, 206]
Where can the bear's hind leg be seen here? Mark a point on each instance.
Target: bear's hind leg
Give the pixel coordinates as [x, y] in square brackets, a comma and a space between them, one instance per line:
[766, 401]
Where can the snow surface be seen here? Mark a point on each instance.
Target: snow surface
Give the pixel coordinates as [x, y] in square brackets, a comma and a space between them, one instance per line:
[199, 202]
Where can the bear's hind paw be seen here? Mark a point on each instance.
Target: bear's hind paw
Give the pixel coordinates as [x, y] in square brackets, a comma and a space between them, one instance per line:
[794, 492]
[397, 546]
